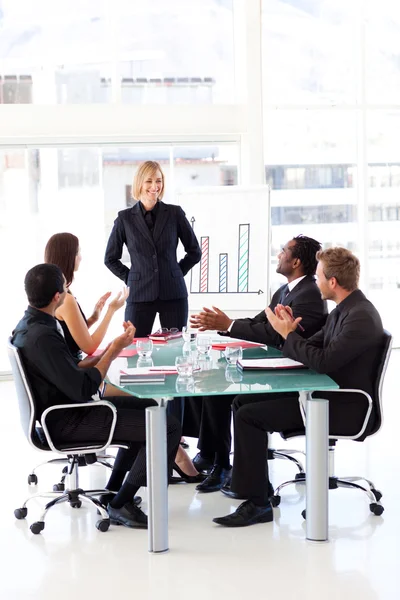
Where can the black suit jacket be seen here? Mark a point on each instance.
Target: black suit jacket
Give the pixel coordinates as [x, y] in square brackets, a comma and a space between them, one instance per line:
[348, 349]
[155, 271]
[305, 301]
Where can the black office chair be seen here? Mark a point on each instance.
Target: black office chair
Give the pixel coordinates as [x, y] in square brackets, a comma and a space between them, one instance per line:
[374, 495]
[40, 438]
[88, 459]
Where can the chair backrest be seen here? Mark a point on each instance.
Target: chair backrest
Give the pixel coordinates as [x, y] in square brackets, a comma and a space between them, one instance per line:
[25, 398]
[378, 383]
[370, 428]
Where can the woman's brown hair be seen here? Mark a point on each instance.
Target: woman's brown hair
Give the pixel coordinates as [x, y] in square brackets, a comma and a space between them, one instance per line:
[61, 250]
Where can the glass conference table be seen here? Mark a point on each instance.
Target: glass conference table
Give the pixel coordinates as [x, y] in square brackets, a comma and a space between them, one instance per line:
[216, 378]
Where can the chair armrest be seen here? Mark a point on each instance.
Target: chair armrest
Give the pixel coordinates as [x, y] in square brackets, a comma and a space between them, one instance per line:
[84, 449]
[367, 416]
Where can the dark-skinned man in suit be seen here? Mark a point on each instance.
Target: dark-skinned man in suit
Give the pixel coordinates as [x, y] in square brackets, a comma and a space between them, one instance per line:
[296, 262]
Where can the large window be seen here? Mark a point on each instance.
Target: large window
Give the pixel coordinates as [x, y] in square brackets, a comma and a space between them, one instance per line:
[332, 119]
[80, 190]
[90, 51]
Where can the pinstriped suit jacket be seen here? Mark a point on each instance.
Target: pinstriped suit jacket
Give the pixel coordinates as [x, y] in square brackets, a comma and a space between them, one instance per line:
[155, 271]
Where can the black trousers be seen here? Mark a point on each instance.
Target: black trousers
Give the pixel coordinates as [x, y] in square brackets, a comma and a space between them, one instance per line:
[253, 417]
[215, 437]
[173, 313]
[93, 425]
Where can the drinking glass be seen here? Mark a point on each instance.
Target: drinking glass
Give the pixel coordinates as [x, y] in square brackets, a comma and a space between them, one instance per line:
[233, 354]
[184, 384]
[189, 335]
[194, 359]
[144, 348]
[232, 374]
[204, 345]
[144, 362]
[184, 366]
[186, 349]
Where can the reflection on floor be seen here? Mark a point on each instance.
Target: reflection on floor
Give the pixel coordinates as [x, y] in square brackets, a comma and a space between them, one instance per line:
[71, 559]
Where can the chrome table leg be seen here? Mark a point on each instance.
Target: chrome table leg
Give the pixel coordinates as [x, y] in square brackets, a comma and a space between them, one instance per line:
[157, 476]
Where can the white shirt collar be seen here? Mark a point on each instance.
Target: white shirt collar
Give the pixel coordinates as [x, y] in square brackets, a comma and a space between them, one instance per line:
[293, 283]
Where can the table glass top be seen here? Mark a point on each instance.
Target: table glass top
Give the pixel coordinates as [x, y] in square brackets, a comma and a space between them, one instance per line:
[217, 378]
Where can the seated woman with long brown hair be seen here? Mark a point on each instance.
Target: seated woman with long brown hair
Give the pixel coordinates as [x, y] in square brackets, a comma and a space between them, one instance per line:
[63, 250]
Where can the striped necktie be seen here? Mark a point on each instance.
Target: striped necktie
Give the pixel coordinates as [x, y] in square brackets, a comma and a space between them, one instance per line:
[284, 293]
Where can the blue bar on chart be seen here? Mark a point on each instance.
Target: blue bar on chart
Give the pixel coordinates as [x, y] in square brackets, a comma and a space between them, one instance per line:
[243, 258]
[223, 272]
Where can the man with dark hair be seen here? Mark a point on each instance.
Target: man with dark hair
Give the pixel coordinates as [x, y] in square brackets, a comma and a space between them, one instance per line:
[42, 283]
[348, 349]
[57, 378]
[297, 262]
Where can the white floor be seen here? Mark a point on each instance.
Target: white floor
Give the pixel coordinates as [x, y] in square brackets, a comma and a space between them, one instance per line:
[71, 559]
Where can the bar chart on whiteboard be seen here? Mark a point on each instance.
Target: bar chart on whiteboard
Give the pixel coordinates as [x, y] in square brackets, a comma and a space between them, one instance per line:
[233, 229]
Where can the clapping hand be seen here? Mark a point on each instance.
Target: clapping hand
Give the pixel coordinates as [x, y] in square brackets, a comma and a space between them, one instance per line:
[210, 319]
[281, 320]
[99, 307]
[126, 338]
[119, 300]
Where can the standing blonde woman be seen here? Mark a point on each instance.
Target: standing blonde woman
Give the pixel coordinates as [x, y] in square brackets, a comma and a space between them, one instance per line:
[151, 230]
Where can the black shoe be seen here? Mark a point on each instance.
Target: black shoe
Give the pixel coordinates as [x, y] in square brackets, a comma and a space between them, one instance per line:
[183, 477]
[226, 489]
[105, 499]
[215, 480]
[129, 515]
[202, 464]
[247, 513]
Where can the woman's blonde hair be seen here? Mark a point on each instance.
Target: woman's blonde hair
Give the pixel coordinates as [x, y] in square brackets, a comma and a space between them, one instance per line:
[144, 171]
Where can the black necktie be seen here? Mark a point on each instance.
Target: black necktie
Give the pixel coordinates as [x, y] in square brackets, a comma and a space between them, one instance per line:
[284, 293]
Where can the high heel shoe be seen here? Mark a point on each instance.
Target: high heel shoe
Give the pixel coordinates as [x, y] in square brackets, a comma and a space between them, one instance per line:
[184, 477]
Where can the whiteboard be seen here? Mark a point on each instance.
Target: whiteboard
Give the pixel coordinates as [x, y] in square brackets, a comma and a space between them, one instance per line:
[232, 225]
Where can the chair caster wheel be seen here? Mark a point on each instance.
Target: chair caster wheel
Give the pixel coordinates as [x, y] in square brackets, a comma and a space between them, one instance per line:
[76, 504]
[37, 527]
[275, 500]
[377, 509]
[300, 476]
[304, 514]
[103, 524]
[32, 479]
[58, 487]
[377, 494]
[20, 513]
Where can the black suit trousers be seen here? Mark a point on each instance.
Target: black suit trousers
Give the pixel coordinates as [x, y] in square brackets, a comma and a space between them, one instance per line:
[94, 426]
[254, 416]
[215, 437]
[173, 313]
